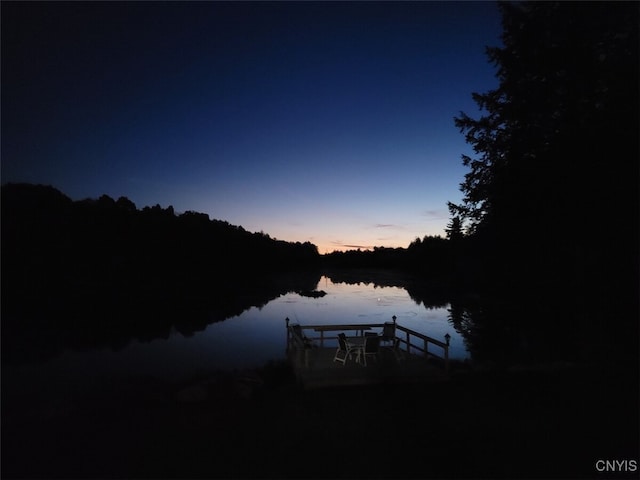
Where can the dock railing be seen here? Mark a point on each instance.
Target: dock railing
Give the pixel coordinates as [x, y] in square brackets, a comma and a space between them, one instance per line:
[409, 341]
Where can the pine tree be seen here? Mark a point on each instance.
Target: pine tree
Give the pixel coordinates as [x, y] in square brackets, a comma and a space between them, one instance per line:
[454, 229]
[556, 146]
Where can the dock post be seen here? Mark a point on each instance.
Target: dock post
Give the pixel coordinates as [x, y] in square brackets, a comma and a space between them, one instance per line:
[288, 334]
[447, 339]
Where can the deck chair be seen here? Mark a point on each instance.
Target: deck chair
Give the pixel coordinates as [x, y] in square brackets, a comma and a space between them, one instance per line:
[371, 348]
[344, 350]
[388, 333]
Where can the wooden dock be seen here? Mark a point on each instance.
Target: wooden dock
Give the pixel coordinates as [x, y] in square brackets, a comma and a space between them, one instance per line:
[416, 357]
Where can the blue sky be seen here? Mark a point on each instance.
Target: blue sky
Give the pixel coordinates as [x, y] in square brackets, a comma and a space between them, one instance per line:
[329, 122]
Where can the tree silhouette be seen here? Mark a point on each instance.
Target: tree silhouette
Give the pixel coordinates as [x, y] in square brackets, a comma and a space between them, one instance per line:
[560, 131]
[454, 229]
[556, 167]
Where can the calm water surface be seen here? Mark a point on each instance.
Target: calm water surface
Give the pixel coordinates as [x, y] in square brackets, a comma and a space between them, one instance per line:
[252, 339]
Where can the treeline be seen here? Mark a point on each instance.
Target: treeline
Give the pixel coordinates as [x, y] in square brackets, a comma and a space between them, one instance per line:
[433, 258]
[48, 239]
[106, 238]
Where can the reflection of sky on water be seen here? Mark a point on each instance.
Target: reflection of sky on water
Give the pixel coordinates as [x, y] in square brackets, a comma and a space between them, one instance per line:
[257, 336]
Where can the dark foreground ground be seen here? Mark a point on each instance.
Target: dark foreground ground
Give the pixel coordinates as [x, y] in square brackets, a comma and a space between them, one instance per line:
[543, 424]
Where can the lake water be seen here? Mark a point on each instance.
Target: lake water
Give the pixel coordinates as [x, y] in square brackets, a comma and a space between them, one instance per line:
[249, 340]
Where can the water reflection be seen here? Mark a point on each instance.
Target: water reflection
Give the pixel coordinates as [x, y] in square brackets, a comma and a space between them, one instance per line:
[257, 335]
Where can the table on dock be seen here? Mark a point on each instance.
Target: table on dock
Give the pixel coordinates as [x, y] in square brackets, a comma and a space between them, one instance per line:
[332, 328]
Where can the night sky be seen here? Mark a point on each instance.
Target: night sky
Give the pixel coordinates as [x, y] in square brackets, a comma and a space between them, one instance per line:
[328, 122]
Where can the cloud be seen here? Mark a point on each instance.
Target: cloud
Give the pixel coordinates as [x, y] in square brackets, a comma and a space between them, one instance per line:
[439, 214]
[352, 246]
[388, 226]
[385, 225]
[361, 247]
